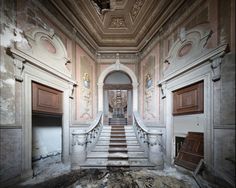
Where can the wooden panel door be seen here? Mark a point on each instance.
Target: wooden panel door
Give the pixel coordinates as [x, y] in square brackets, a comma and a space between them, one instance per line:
[46, 99]
[191, 152]
[188, 100]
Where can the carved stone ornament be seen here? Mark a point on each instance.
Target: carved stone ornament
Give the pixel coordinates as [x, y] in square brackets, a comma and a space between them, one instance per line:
[216, 68]
[48, 50]
[190, 45]
[117, 64]
[79, 140]
[118, 22]
[136, 8]
[19, 68]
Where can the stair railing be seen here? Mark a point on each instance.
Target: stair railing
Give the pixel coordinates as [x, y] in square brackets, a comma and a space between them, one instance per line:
[84, 140]
[150, 141]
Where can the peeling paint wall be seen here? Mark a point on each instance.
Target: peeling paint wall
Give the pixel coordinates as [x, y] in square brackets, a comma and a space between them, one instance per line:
[10, 134]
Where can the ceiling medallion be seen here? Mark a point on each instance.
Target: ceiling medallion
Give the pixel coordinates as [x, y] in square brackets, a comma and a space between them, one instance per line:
[117, 22]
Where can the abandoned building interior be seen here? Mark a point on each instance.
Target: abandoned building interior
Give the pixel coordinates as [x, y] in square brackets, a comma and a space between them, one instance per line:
[128, 85]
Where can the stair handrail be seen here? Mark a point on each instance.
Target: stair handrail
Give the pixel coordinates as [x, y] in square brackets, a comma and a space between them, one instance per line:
[150, 140]
[140, 122]
[93, 132]
[95, 122]
[84, 139]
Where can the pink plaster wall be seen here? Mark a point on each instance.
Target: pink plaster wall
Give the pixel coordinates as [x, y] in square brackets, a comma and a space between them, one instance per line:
[78, 94]
[155, 108]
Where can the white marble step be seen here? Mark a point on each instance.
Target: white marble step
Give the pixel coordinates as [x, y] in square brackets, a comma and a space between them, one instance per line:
[104, 138]
[129, 148]
[136, 155]
[117, 129]
[105, 162]
[118, 163]
[107, 142]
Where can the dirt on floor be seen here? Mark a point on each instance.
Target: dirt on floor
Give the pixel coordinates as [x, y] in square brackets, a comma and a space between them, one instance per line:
[116, 178]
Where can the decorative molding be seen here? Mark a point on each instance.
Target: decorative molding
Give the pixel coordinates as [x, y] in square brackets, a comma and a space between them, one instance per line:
[114, 67]
[136, 9]
[118, 87]
[117, 22]
[205, 57]
[19, 68]
[186, 48]
[47, 48]
[216, 67]
[79, 139]
[165, 31]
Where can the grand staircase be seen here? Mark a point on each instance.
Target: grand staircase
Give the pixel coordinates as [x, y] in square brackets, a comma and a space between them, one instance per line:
[117, 147]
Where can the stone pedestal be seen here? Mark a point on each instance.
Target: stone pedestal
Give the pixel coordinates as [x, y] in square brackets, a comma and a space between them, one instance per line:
[155, 151]
[78, 149]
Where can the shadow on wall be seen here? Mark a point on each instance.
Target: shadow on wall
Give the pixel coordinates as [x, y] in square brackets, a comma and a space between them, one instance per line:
[46, 136]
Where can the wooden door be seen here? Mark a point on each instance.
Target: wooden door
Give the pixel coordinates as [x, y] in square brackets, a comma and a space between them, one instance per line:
[191, 152]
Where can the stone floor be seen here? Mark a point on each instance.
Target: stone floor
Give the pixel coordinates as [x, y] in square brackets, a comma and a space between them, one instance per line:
[50, 174]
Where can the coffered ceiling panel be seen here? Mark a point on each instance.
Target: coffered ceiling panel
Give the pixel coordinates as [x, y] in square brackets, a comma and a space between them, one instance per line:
[127, 25]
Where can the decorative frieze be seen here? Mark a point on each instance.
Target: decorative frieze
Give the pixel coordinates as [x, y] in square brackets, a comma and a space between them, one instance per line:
[136, 8]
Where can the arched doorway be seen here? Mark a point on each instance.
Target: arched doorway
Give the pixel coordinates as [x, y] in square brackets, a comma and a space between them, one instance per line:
[117, 97]
[133, 85]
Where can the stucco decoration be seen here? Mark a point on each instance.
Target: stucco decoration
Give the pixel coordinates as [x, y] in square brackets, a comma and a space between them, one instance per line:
[47, 48]
[149, 92]
[86, 88]
[86, 93]
[190, 45]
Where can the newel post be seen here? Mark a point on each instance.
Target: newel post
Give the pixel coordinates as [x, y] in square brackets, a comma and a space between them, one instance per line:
[155, 151]
[78, 149]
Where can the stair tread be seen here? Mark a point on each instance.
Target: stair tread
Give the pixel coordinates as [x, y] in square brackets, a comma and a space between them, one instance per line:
[117, 146]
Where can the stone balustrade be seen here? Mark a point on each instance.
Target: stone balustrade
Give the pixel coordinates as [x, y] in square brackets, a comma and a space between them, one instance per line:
[83, 141]
[150, 141]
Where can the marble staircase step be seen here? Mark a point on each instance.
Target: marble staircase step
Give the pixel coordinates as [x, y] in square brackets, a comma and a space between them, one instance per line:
[130, 155]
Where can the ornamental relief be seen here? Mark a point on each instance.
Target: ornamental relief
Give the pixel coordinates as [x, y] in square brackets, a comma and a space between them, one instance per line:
[47, 49]
[48, 46]
[136, 8]
[118, 22]
[149, 92]
[86, 90]
[190, 45]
